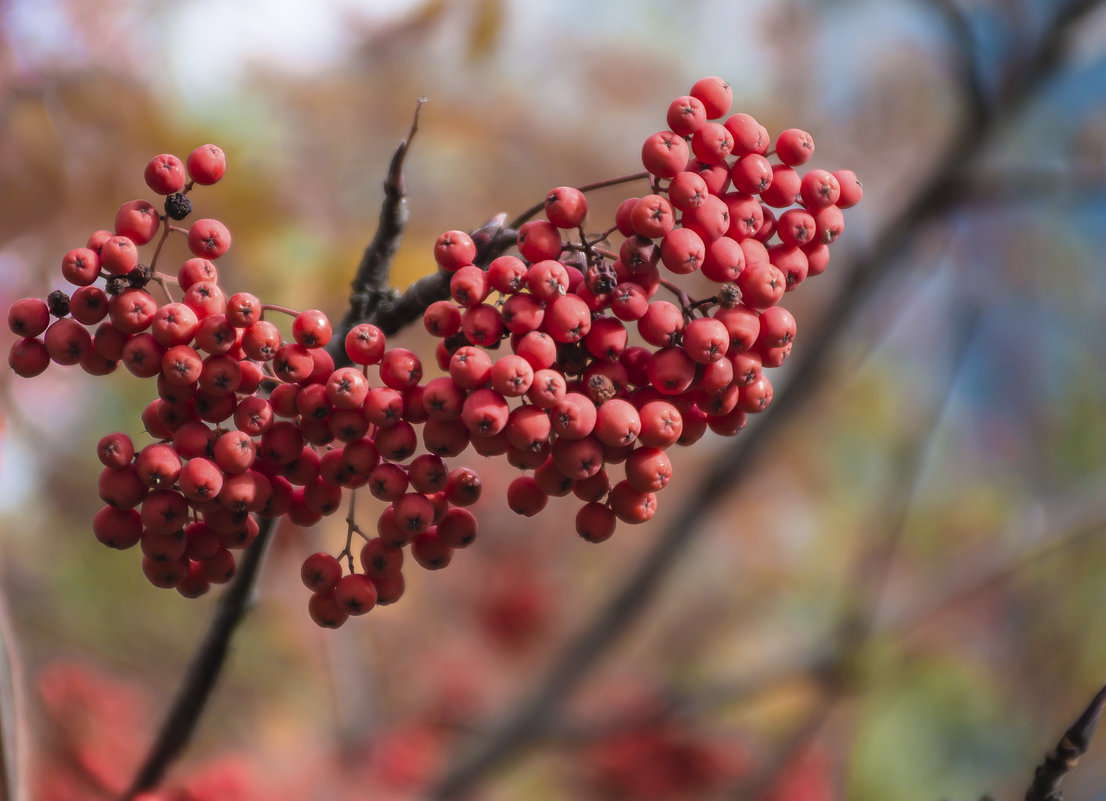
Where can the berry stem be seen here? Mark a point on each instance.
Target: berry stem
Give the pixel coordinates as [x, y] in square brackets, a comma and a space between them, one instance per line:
[537, 207]
[282, 309]
[166, 227]
[687, 305]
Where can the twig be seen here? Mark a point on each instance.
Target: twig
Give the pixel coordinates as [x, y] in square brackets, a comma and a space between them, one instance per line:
[370, 282]
[204, 670]
[11, 724]
[937, 196]
[1065, 756]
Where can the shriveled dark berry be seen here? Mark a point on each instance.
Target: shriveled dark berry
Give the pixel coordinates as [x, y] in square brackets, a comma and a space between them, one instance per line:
[729, 296]
[58, 303]
[140, 276]
[117, 284]
[178, 206]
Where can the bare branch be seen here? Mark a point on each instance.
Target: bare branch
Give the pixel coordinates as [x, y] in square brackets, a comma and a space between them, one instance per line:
[1061, 760]
[370, 284]
[936, 198]
[205, 668]
[11, 723]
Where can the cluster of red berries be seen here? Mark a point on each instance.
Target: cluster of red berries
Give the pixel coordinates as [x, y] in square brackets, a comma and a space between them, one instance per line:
[248, 425]
[245, 424]
[601, 370]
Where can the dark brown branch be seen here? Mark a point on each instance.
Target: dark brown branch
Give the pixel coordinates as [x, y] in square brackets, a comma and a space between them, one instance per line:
[937, 196]
[203, 672]
[370, 283]
[394, 312]
[1061, 760]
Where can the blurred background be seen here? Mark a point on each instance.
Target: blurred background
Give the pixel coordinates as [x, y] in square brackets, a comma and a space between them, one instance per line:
[898, 595]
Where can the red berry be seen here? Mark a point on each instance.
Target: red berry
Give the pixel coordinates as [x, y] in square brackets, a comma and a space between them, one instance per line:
[430, 551]
[715, 95]
[457, 528]
[652, 217]
[566, 207]
[66, 341]
[794, 147]
[400, 369]
[539, 240]
[325, 610]
[355, 594]
[208, 238]
[206, 164]
[118, 255]
[138, 220]
[453, 250]
[28, 316]
[686, 115]
[365, 344]
[165, 174]
[81, 266]
[665, 154]
[525, 497]
[595, 522]
[631, 505]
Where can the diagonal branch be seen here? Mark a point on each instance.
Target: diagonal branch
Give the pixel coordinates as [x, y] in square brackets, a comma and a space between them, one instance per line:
[934, 200]
[203, 672]
[1065, 756]
[370, 283]
[11, 723]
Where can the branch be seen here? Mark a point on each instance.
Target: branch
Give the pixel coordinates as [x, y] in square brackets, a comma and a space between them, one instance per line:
[1065, 756]
[203, 672]
[11, 724]
[936, 198]
[370, 284]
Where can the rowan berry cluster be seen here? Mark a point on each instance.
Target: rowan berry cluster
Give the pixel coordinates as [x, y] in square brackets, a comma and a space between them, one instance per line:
[246, 424]
[604, 370]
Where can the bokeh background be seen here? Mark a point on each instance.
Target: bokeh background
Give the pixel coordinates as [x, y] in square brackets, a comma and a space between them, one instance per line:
[899, 595]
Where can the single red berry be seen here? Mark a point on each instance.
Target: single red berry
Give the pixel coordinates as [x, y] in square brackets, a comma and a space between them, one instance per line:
[66, 342]
[355, 594]
[165, 174]
[715, 94]
[28, 317]
[118, 255]
[566, 207]
[206, 164]
[117, 528]
[88, 305]
[631, 505]
[539, 240]
[652, 217]
[138, 220]
[712, 144]
[794, 147]
[208, 238]
[686, 115]
[325, 610]
[400, 369]
[665, 154]
[430, 551]
[525, 497]
[457, 528]
[748, 134]
[453, 250]
[194, 270]
[595, 522]
[81, 266]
